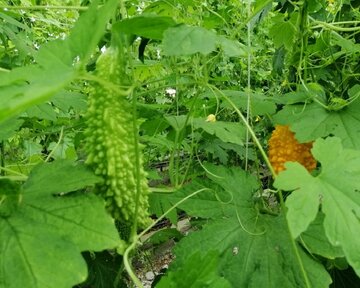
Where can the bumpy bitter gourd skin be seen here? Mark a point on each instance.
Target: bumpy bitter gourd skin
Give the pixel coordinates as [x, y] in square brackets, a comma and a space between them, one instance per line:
[284, 147]
[111, 143]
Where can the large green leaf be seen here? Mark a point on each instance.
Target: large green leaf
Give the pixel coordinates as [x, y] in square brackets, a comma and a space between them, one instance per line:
[312, 121]
[28, 86]
[159, 204]
[58, 63]
[218, 202]
[42, 111]
[187, 40]
[42, 234]
[259, 103]
[255, 249]
[184, 40]
[336, 189]
[229, 132]
[283, 31]
[149, 26]
[103, 269]
[199, 271]
[44, 176]
[8, 128]
[66, 100]
[232, 48]
[251, 249]
[314, 238]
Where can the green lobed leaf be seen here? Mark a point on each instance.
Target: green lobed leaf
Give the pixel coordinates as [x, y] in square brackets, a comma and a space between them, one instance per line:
[177, 122]
[220, 150]
[232, 48]
[103, 269]
[229, 132]
[42, 238]
[187, 40]
[42, 111]
[159, 204]
[37, 253]
[207, 204]
[42, 178]
[28, 86]
[259, 6]
[251, 244]
[259, 103]
[283, 31]
[164, 235]
[199, 271]
[9, 127]
[222, 197]
[66, 100]
[347, 45]
[32, 85]
[149, 26]
[82, 40]
[336, 189]
[315, 239]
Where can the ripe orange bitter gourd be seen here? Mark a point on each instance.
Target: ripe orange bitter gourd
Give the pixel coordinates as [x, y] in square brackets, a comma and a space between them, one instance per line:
[284, 147]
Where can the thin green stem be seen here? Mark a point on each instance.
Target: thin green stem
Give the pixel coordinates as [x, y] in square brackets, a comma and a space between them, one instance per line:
[57, 144]
[12, 171]
[43, 7]
[162, 190]
[248, 92]
[15, 178]
[109, 85]
[136, 145]
[137, 165]
[166, 86]
[176, 161]
[293, 242]
[135, 241]
[320, 24]
[190, 158]
[267, 161]
[172, 160]
[251, 131]
[2, 157]
[128, 267]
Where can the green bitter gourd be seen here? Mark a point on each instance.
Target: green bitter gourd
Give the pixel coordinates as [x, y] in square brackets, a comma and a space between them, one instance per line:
[111, 142]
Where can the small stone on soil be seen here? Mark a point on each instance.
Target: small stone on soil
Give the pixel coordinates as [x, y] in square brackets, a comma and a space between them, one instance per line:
[150, 275]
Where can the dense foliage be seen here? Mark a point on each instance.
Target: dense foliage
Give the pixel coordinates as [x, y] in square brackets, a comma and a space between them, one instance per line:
[241, 115]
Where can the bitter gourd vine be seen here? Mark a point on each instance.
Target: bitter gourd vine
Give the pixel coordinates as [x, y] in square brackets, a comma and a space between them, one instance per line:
[110, 141]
